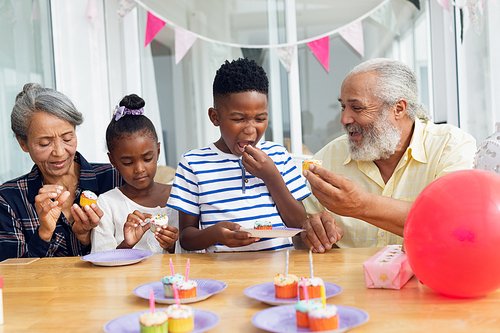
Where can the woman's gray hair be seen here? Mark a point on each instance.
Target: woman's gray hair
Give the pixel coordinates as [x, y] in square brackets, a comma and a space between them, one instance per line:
[395, 80]
[33, 99]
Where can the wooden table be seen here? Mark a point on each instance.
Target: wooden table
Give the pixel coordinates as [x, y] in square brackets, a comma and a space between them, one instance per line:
[70, 295]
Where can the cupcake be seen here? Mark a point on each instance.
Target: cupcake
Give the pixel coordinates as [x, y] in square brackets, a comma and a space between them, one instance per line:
[307, 163]
[302, 309]
[180, 318]
[285, 286]
[154, 322]
[313, 287]
[263, 225]
[324, 319]
[87, 198]
[168, 281]
[187, 289]
[158, 221]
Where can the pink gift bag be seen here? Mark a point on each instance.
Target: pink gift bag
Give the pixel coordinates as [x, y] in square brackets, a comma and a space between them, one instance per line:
[387, 269]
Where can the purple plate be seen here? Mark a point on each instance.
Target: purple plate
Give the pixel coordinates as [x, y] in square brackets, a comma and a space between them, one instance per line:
[282, 319]
[118, 257]
[275, 232]
[205, 289]
[264, 292]
[204, 320]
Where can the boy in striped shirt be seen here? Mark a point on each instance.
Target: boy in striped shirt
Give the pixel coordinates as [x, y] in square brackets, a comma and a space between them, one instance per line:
[237, 180]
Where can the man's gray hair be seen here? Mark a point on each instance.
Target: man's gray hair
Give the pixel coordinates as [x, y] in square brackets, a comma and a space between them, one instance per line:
[33, 99]
[395, 80]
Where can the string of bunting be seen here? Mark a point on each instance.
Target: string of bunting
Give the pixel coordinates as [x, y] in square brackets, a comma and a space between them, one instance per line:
[319, 45]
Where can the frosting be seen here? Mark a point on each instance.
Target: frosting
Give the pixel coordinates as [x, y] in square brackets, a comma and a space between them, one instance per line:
[306, 306]
[182, 312]
[282, 280]
[153, 319]
[169, 279]
[258, 224]
[186, 285]
[160, 219]
[89, 195]
[315, 281]
[326, 312]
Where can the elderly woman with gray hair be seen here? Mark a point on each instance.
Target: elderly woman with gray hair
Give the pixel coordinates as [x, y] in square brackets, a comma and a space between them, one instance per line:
[391, 151]
[39, 214]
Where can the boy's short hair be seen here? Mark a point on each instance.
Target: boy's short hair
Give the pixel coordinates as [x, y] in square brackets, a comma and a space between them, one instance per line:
[239, 76]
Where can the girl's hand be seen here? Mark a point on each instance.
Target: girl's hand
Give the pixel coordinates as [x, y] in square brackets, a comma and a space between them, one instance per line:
[226, 233]
[48, 205]
[259, 164]
[133, 230]
[85, 220]
[167, 235]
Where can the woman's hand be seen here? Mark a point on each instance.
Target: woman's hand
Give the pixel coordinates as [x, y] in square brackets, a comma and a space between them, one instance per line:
[85, 220]
[167, 235]
[133, 230]
[48, 205]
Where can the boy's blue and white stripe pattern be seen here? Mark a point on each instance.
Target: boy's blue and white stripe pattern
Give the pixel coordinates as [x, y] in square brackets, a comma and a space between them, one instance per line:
[208, 184]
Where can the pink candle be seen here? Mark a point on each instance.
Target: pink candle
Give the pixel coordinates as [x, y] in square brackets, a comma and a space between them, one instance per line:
[187, 269]
[304, 289]
[176, 295]
[152, 300]
[171, 267]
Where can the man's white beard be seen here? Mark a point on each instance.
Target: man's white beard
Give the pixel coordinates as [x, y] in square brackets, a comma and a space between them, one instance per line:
[380, 140]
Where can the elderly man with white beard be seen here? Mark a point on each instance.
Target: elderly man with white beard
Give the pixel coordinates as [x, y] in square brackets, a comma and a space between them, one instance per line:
[391, 151]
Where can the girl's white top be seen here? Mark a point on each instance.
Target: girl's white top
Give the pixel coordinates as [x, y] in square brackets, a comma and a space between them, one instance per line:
[116, 206]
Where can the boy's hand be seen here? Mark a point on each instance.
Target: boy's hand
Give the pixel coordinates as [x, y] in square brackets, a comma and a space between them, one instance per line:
[167, 235]
[259, 163]
[227, 234]
[132, 230]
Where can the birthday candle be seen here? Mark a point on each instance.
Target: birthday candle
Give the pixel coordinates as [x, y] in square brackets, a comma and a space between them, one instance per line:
[310, 264]
[286, 266]
[187, 269]
[304, 289]
[152, 300]
[176, 295]
[171, 267]
[323, 295]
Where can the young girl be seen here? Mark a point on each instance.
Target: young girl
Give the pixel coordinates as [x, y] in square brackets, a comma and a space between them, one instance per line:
[133, 149]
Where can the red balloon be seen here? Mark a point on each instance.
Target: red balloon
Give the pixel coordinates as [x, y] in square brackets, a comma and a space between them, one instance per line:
[452, 234]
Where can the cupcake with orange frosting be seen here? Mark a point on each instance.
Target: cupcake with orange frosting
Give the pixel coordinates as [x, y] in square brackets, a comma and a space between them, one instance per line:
[307, 163]
[180, 318]
[324, 318]
[285, 286]
[313, 287]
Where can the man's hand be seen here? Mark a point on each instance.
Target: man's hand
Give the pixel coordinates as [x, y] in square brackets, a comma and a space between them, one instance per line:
[321, 232]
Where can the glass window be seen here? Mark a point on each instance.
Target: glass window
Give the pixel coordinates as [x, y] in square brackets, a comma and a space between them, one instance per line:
[25, 56]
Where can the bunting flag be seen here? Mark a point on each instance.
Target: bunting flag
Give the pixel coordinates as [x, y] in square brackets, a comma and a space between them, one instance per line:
[416, 3]
[92, 12]
[285, 55]
[153, 26]
[35, 11]
[474, 6]
[353, 34]
[183, 42]
[125, 7]
[253, 54]
[445, 4]
[321, 49]
[386, 17]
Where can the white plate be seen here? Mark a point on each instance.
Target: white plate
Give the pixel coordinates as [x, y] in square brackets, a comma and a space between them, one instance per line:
[119, 257]
[278, 232]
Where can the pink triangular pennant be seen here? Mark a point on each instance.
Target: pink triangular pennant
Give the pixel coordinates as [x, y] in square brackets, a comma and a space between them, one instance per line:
[153, 26]
[321, 49]
[353, 34]
[445, 4]
[125, 6]
[183, 42]
[285, 55]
